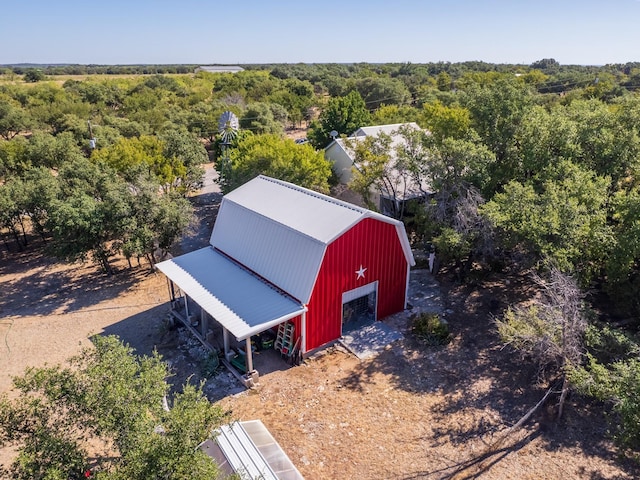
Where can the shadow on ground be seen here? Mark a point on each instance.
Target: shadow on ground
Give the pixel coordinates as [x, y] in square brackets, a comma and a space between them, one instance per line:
[40, 287]
[483, 382]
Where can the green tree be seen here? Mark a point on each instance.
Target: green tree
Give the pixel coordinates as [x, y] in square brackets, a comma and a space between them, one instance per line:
[189, 151]
[91, 214]
[129, 156]
[276, 157]
[46, 150]
[157, 221]
[14, 157]
[13, 119]
[497, 110]
[373, 170]
[264, 118]
[622, 266]
[12, 210]
[563, 218]
[41, 189]
[443, 121]
[545, 64]
[34, 75]
[109, 395]
[444, 82]
[296, 97]
[377, 91]
[608, 137]
[546, 137]
[343, 115]
[612, 374]
[390, 114]
[392, 166]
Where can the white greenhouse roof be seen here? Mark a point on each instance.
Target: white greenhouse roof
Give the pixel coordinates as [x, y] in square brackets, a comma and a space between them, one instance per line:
[248, 449]
[240, 301]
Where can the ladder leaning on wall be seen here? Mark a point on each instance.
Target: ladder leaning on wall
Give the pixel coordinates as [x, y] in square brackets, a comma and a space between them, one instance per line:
[284, 339]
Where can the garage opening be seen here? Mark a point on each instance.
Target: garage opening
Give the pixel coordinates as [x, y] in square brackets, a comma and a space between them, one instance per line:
[359, 307]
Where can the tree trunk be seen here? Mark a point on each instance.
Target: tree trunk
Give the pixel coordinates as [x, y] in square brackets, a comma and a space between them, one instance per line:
[4, 240]
[16, 237]
[24, 231]
[103, 259]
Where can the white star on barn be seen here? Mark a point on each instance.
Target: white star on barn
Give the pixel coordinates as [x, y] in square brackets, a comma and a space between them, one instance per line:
[360, 272]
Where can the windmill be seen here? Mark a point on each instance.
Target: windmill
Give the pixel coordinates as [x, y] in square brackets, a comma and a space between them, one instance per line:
[228, 126]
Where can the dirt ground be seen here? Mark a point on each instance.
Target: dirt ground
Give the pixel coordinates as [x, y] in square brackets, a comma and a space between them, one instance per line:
[413, 411]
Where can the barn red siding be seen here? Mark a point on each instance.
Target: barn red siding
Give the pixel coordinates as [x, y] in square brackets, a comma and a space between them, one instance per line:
[372, 244]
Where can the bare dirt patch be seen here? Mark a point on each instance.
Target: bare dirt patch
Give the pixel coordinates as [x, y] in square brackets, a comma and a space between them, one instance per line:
[424, 412]
[411, 412]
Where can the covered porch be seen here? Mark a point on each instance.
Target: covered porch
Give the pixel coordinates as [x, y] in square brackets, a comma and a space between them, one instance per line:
[214, 296]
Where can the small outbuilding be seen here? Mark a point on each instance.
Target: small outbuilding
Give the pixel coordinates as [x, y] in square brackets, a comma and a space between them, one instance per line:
[400, 185]
[281, 254]
[219, 69]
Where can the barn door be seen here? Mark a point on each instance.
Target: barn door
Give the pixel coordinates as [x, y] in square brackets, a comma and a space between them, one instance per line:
[359, 307]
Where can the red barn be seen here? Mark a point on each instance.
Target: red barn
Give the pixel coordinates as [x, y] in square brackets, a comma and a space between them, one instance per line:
[282, 253]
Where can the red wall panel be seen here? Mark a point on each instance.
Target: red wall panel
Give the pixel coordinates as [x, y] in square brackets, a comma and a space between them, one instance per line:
[369, 244]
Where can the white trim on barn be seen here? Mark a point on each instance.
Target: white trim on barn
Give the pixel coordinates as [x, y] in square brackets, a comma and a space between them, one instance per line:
[359, 292]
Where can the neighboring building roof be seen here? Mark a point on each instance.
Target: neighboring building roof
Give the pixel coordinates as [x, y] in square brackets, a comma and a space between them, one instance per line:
[390, 129]
[280, 231]
[222, 288]
[219, 69]
[344, 161]
[248, 449]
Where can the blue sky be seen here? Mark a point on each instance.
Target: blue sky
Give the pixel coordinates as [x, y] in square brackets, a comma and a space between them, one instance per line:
[269, 31]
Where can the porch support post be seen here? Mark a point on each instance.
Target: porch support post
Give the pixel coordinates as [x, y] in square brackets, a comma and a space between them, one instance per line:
[249, 355]
[225, 340]
[204, 323]
[172, 290]
[186, 306]
[303, 333]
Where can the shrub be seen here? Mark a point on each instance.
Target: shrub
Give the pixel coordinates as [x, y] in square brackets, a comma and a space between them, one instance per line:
[431, 329]
[210, 364]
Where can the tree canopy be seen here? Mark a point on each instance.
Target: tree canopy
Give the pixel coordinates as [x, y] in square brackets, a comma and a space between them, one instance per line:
[107, 396]
[276, 157]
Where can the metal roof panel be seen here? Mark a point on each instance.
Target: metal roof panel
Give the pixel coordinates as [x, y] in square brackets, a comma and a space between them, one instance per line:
[243, 303]
[284, 256]
[310, 213]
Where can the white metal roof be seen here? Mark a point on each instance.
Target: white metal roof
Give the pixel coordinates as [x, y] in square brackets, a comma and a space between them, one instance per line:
[280, 231]
[282, 255]
[310, 213]
[220, 68]
[243, 303]
[251, 451]
[389, 129]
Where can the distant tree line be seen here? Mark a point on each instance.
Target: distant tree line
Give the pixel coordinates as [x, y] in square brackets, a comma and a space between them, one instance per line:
[99, 69]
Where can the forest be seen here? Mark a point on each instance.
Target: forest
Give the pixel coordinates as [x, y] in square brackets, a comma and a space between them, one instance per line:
[534, 168]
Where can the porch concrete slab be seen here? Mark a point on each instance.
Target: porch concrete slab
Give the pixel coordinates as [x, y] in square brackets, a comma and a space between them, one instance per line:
[370, 340]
